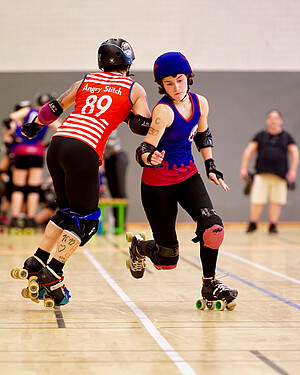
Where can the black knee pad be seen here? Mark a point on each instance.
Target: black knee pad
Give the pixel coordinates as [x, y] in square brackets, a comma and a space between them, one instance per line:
[165, 258]
[210, 230]
[61, 219]
[33, 189]
[85, 231]
[21, 189]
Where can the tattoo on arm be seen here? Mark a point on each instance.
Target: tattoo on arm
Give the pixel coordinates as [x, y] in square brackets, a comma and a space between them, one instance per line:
[152, 131]
[65, 94]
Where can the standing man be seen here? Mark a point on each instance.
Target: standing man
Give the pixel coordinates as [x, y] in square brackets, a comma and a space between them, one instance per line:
[273, 170]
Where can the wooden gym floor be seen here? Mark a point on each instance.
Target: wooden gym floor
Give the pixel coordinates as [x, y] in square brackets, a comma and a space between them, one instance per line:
[115, 324]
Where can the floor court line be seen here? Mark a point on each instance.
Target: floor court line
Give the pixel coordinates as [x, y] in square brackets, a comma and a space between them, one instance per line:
[181, 364]
[263, 268]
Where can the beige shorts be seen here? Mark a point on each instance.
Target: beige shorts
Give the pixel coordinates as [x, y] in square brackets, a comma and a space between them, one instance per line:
[268, 187]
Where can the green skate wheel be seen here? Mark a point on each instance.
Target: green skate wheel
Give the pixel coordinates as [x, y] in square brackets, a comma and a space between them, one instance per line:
[230, 306]
[143, 235]
[201, 304]
[129, 236]
[220, 305]
[127, 264]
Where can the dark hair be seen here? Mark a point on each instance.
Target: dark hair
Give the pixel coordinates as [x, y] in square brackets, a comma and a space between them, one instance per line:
[116, 68]
[161, 89]
[274, 110]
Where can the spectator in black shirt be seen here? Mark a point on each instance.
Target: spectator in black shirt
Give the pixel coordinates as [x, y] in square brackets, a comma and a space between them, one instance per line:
[273, 169]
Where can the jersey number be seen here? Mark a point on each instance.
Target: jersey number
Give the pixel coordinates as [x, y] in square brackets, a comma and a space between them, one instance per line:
[103, 103]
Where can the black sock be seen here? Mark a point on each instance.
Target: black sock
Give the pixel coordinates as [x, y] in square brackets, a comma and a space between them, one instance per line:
[42, 255]
[208, 258]
[56, 266]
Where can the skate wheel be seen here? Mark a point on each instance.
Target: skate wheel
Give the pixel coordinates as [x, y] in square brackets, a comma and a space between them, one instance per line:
[230, 306]
[14, 273]
[201, 304]
[33, 286]
[33, 295]
[143, 235]
[49, 303]
[23, 274]
[25, 293]
[127, 264]
[210, 305]
[220, 305]
[129, 236]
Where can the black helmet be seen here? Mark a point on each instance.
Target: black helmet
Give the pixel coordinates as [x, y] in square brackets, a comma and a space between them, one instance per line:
[22, 104]
[44, 98]
[115, 52]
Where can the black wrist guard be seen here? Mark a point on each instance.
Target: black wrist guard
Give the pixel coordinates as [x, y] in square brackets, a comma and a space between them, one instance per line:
[31, 129]
[144, 148]
[138, 124]
[211, 168]
[6, 122]
[203, 139]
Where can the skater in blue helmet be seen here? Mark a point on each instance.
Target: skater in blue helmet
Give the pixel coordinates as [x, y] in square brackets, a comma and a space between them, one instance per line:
[170, 177]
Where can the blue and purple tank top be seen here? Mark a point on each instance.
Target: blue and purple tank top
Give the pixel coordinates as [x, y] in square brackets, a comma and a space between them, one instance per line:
[178, 163]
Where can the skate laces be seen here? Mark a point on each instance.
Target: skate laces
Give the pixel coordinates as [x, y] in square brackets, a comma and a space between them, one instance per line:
[137, 264]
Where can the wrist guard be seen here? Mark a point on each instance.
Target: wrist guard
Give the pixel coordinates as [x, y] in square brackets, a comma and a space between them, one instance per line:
[211, 168]
[31, 129]
[203, 139]
[138, 124]
[144, 148]
[50, 112]
[6, 122]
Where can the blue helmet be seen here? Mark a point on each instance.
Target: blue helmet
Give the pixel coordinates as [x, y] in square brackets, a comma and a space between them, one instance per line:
[170, 64]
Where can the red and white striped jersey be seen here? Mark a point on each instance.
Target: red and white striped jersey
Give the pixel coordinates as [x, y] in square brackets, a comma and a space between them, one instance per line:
[102, 103]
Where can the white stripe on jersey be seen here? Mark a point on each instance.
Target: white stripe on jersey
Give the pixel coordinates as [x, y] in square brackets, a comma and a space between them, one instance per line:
[107, 83]
[79, 126]
[96, 140]
[76, 136]
[85, 117]
[78, 121]
[105, 76]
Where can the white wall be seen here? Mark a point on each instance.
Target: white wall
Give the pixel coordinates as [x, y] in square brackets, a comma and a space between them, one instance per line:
[64, 35]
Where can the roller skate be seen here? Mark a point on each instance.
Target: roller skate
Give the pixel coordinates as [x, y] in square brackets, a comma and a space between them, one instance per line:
[136, 262]
[216, 295]
[31, 267]
[30, 226]
[56, 292]
[16, 226]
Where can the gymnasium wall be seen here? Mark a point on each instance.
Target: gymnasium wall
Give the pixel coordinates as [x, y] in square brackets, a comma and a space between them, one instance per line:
[245, 56]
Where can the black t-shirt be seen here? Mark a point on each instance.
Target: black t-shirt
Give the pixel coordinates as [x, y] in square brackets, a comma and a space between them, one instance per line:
[272, 154]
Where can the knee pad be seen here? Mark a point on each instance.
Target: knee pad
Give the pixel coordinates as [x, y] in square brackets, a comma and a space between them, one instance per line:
[210, 230]
[61, 219]
[33, 189]
[21, 189]
[84, 226]
[165, 258]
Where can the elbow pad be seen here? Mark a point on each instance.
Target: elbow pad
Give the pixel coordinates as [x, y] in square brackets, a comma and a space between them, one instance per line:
[50, 112]
[144, 148]
[203, 139]
[138, 124]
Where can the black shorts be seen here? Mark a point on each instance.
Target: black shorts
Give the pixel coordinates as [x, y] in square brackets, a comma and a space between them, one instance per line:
[28, 161]
[161, 206]
[74, 168]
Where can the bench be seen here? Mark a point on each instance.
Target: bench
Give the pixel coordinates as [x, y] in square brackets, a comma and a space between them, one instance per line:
[120, 204]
